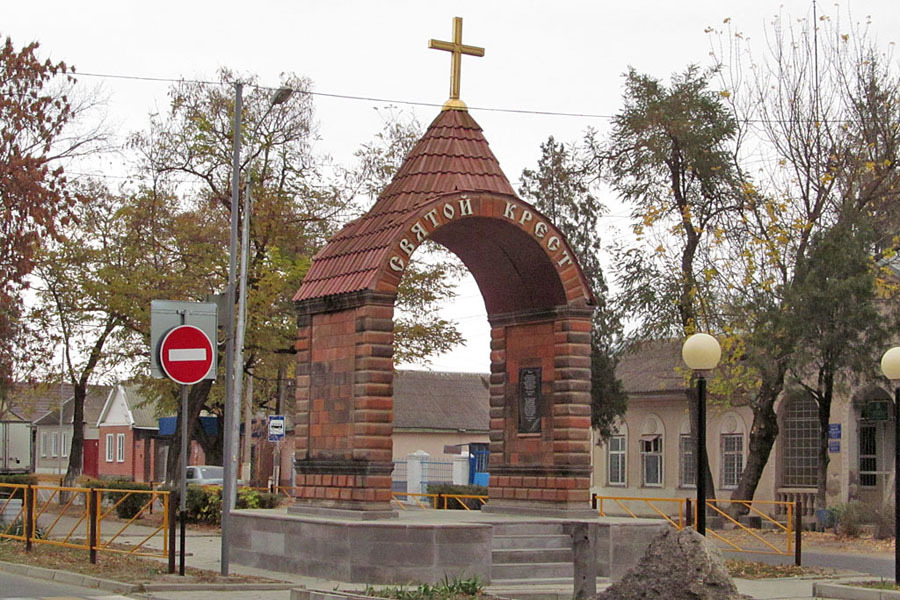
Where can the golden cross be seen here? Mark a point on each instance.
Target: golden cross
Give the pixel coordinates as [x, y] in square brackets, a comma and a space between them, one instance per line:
[457, 49]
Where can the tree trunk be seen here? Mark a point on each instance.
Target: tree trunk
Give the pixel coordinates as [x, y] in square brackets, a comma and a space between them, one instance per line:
[763, 433]
[76, 452]
[196, 401]
[824, 400]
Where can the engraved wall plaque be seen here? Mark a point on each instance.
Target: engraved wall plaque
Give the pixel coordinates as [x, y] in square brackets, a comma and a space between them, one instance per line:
[530, 400]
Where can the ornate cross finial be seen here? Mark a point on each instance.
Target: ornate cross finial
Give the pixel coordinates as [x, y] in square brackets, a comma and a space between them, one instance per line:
[457, 49]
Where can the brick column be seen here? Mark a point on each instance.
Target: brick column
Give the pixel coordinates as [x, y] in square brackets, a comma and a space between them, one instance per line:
[345, 407]
[545, 472]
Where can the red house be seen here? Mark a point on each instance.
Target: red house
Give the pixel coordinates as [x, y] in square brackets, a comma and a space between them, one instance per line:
[128, 432]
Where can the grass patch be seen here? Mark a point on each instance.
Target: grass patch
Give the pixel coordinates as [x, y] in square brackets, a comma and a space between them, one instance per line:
[447, 589]
[746, 569]
[882, 584]
[110, 565]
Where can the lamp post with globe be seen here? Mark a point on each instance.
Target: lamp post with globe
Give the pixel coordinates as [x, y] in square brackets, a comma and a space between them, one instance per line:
[701, 353]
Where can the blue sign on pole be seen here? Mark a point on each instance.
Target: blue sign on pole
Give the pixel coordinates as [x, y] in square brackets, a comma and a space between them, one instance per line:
[834, 431]
[276, 428]
[834, 446]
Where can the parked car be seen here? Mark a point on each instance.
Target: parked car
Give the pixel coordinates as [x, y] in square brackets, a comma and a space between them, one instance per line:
[205, 475]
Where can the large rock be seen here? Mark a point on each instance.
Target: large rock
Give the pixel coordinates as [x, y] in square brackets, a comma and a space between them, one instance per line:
[678, 565]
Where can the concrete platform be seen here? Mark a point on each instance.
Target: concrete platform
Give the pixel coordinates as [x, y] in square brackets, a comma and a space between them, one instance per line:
[419, 546]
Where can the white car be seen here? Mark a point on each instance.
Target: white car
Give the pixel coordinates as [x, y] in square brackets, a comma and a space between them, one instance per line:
[204, 475]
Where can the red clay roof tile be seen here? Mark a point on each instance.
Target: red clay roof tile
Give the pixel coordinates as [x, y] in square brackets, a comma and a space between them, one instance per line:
[453, 155]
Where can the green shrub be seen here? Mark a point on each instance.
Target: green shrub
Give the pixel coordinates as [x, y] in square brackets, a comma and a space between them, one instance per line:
[247, 498]
[20, 479]
[850, 518]
[884, 523]
[449, 489]
[267, 500]
[446, 589]
[127, 504]
[204, 504]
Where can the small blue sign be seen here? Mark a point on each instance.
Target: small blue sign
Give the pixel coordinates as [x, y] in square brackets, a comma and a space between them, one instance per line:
[834, 446]
[834, 431]
[276, 428]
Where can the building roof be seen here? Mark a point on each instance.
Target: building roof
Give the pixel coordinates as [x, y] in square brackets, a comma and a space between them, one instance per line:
[441, 401]
[30, 401]
[652, 367]
[141, 414]
[452, 156]
[93, 404]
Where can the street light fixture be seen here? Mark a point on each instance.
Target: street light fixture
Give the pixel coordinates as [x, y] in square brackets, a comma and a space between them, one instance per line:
[890, 366]
[234, 359]
[701, 353]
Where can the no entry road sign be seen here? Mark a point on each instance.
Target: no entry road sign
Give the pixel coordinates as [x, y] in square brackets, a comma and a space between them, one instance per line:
[186, 354]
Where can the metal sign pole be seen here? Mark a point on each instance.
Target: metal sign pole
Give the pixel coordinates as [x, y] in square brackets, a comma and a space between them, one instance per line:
[184, 461]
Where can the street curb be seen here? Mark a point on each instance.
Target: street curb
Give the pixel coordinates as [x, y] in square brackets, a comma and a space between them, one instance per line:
[119, 587]
[216, 587]
[70, 578]
[848, 592]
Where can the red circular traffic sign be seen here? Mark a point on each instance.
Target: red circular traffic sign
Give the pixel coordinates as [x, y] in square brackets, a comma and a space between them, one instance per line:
[186, 354]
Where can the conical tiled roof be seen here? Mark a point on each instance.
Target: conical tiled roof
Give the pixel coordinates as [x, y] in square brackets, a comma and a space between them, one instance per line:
[452, 156]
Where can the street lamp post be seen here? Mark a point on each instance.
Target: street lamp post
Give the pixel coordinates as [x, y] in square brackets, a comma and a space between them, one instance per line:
[701, 353]
[233, 351]
[890, 366]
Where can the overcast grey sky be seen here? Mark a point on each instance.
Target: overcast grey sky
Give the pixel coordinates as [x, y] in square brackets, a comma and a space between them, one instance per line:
[561, 56]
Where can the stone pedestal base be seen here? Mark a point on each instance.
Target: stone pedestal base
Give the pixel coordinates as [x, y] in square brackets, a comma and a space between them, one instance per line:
[356, 513]
[553, 510]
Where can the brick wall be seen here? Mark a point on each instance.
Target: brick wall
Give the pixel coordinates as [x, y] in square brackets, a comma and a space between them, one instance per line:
[344, 405]
[115, 468]
[552, 465]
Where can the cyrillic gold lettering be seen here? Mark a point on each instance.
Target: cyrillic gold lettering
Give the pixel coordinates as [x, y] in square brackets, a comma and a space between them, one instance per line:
[510, 212]
[397, 263]
[449, 211]
[419, 231]
[540, 229]
[407, 246]
[553, 244]
[566, 259]
[465, 206]
[526, 216]
[431, 215]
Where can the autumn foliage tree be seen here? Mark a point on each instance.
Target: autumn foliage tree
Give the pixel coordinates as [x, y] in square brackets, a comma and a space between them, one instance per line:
[34, 197]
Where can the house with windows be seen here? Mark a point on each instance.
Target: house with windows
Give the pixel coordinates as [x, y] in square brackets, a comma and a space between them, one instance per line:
[652, 455]
[128, 431]
[53, 437]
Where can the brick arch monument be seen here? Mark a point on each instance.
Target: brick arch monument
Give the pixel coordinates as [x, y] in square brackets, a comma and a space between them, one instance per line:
[451, 190]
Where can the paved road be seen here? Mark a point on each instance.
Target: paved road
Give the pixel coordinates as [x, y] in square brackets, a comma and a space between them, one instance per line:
[21, 587]
[879, 565]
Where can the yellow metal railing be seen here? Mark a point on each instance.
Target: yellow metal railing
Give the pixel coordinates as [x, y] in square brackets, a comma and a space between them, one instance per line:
[437, 501]
[74, 517]
[783, 537]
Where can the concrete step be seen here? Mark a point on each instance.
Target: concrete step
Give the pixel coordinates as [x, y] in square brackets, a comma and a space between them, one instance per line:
[538, 589]
[532, 555]
[509, 542]
[531, 571]
[528, 529]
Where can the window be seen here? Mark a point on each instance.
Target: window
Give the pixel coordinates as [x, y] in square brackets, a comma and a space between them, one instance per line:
[44, 443]
[868, 456]
[120, 447]
[651, 460]
[732, 459]
[54, 444]
[688, 471]
[800, 458]
[110, 447]
[64, 447]
[615, 450]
